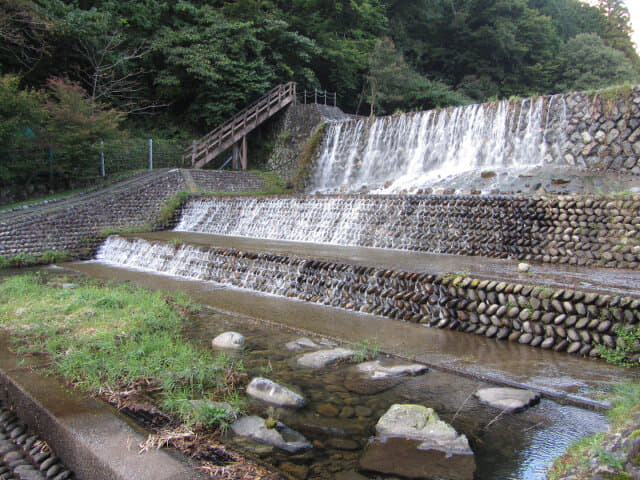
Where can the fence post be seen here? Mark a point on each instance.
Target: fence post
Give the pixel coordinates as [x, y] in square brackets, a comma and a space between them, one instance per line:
[151, 154]
[315, 95]
[102, 158]
[305, 97]
[325, 97]
[193, 153]
[335, 95]
[50, 168]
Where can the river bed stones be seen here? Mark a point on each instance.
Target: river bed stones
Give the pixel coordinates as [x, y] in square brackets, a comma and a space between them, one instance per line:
[273, 393]
[280, 436]
[325, 358]
[229, 340]
[413, 442]
[508, 399]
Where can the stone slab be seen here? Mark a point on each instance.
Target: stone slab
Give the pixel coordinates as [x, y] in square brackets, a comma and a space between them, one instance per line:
[508, 399]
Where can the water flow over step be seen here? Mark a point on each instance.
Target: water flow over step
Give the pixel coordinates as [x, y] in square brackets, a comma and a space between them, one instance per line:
[418, 150]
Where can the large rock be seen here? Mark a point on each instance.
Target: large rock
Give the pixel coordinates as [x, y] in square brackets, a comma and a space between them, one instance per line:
[281, 436]
[374, 377]
[508, 399]
[413, 442]
[273, 393]
[229, 340]
[301, 344]
[324, 358]
[375, 370]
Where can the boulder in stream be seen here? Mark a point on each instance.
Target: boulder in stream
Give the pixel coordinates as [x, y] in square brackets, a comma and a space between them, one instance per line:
[508, 399]
[274, 393]
[375, 370]
[229, 340]
[280, 436]
[413, 442]
[324, 358]
[301, 344]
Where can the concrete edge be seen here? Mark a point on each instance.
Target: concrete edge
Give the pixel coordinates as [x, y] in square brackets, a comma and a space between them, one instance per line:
[91, 438]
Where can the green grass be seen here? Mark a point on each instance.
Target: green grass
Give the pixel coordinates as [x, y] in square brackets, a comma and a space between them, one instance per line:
[25, 260]
[625, 400]
[171, 206]
[365, 350]
[113, 338]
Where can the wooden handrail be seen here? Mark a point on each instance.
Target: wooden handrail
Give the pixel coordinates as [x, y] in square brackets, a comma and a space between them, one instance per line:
[212, 144]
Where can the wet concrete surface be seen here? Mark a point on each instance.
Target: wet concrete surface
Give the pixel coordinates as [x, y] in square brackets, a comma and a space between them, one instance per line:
[92, 438]
[559, 376]
[600, 280]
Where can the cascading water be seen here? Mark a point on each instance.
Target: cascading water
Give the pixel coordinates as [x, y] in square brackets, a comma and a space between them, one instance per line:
[418, 150]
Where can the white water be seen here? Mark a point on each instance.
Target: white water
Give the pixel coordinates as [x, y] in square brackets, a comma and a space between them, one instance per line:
[418, 150]
[194, 263]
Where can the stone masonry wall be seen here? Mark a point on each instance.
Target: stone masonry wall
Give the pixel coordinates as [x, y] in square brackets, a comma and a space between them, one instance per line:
[603, 129]
[73, 226]
[560, 319]
[598, 231]
[300, 121]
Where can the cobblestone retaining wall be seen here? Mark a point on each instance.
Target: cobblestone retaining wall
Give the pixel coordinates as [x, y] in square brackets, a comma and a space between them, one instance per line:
[73, 226]
[559, 319]
[599, 231]
[603, 129]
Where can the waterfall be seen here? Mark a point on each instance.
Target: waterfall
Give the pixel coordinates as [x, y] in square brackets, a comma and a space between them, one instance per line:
[418, 150]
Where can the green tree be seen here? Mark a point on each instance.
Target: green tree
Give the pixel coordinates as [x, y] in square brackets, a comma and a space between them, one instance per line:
[21, 127]
[76, 125]
[616, 27]
[587, 63]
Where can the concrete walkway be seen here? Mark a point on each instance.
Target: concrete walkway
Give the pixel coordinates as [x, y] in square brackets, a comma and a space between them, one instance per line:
[91, 438]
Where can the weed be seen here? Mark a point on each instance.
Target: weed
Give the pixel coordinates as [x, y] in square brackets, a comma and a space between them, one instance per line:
[170, 207]
[25, 260]
[627, 345]
[365, 350]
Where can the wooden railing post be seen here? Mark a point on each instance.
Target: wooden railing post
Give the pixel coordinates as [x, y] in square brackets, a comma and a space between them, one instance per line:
[315, 95]
[193, 153]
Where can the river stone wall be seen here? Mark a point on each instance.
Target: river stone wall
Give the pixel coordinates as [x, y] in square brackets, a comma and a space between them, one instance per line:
[597, 231]
[563, 320]
[603, 129]
[73, 225]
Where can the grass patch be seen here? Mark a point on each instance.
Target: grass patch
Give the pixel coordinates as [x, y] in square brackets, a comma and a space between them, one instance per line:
[627, 345]
[25, 260]
[171, 206]
[365, 350]
[626, 405]
[306, 158]
[112, 338]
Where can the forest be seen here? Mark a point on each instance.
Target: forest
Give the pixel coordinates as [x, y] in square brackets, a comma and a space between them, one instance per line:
[73, 72]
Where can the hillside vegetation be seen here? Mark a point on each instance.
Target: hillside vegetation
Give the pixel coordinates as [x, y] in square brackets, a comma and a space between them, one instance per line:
[74, 72]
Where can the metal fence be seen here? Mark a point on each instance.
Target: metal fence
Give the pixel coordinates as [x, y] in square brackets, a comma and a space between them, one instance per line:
[320, 97]
[38, 164]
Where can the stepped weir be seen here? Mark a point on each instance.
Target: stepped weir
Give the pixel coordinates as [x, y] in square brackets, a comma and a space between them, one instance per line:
[438, 263]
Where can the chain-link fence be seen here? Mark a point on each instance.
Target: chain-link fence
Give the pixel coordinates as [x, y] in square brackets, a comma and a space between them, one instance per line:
[38, 164]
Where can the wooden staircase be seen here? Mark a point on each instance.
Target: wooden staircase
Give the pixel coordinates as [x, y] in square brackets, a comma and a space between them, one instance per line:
[234, 132]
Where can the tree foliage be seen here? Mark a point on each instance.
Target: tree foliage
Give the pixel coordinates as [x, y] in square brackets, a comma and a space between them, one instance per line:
[193, 63]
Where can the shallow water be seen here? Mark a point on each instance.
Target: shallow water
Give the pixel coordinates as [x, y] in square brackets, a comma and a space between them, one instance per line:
[518, 446]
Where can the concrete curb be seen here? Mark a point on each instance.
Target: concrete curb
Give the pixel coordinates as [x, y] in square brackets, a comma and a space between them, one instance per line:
[91, 438]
